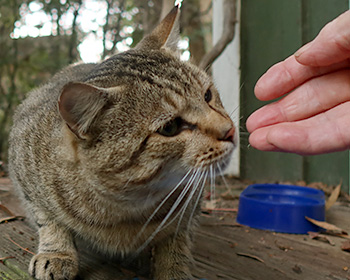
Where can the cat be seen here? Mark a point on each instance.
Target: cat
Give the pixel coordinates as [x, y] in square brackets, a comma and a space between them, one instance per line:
[117, 154]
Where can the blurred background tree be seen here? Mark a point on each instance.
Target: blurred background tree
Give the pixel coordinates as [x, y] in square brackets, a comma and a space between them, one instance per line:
[39, 37]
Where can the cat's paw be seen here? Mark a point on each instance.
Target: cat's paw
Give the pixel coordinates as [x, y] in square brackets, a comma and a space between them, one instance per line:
[57, 266]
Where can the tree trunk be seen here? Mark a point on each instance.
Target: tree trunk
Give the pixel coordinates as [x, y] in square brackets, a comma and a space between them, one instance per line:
[191, 22]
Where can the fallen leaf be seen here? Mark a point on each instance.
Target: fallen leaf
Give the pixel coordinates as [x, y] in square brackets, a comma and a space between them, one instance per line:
[207, 196]
[10, 219]
[24, 249]
[211, 204]
[297, 269]
[330, 228]
[321, 237]
[228, 195]
[250, 256]
[345, 246]
[6, 210]
[333, 197]
[284, 248]
[5, 258]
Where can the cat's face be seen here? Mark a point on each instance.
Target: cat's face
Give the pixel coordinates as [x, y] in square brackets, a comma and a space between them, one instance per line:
[156, 118]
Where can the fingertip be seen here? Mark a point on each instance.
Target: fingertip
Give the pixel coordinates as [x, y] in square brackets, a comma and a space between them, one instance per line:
[275, 82]
[255, 120]
[258, 140]
[262, 87]
[251, 123]
[267, 115]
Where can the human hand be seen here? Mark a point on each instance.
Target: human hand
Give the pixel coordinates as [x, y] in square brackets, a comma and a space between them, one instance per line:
[314, 116]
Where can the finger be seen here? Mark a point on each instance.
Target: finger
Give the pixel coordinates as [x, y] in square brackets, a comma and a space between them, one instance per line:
[332, 44]
[288, 75]
[311, 98]
[324, 133]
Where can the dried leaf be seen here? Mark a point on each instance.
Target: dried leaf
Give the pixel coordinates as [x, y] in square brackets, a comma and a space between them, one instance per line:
[24, 249]
[313, 235]
[284, 248]
[332, 229]
[6, 210]
[345, 246]
[333, 197]
[207, 196]
[10, 219]
[250, 256]
[211, 204]
[297, 269]
[228, 195]
[321, 237]
[2, 260]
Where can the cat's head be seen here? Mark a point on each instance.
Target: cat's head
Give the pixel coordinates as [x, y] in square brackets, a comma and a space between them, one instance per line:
[144, 117]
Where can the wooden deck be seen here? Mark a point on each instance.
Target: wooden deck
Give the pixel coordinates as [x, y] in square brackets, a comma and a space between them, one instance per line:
[223, 250]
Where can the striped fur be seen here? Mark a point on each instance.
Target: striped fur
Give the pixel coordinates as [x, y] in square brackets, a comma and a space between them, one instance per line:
[89, 158]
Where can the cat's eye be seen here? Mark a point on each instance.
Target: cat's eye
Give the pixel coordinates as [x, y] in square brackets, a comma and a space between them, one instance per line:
[208, 96]
[171, 128]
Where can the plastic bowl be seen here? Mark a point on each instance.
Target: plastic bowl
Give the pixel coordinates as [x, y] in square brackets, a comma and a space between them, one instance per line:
[281, 208]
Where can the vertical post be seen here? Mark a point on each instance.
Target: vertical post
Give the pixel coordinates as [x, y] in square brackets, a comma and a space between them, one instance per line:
[226, 73]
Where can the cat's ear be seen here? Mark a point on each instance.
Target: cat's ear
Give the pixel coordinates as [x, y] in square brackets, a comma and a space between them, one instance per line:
[166, 34]
[78, 106]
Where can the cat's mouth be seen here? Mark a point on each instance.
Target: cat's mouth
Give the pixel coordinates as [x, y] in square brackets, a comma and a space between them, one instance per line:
[217, 158]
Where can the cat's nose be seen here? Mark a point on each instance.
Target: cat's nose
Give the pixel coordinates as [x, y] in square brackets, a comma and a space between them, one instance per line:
[230, 134]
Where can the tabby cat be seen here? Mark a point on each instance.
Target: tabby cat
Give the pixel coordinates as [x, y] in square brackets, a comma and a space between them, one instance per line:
[117, 154]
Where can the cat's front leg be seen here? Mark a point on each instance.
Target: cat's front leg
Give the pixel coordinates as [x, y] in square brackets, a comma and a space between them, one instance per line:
[172, 258]
[57, 256]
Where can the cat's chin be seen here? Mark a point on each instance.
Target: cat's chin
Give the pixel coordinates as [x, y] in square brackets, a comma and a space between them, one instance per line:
[218, 164]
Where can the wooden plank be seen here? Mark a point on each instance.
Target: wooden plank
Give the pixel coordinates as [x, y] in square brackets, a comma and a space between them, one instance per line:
[222, 250]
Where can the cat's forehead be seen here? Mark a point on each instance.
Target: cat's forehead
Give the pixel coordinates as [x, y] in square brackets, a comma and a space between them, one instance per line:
[156, 68]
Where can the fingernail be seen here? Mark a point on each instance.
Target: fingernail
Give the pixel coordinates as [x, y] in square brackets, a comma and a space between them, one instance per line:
[303, 49]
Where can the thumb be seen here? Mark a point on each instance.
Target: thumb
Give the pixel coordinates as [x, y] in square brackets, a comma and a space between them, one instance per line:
[331, 45]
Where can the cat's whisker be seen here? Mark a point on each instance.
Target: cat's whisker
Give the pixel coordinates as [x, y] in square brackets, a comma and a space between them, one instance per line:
[195, 180]
[189, 198]
[212, 183]
[197, 200]
[222, 176]
[233, 111]
[162, 203]
[171, 211]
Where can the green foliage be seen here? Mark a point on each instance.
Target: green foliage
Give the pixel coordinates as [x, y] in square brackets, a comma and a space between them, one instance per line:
[29, 60]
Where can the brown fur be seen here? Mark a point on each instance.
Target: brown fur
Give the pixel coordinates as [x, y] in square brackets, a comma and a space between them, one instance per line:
[89, 156]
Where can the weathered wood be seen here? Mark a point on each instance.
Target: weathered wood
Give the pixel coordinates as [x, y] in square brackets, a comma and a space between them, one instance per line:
[223, 250]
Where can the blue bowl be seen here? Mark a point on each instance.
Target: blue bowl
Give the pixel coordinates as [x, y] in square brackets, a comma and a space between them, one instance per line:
[281, 208]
